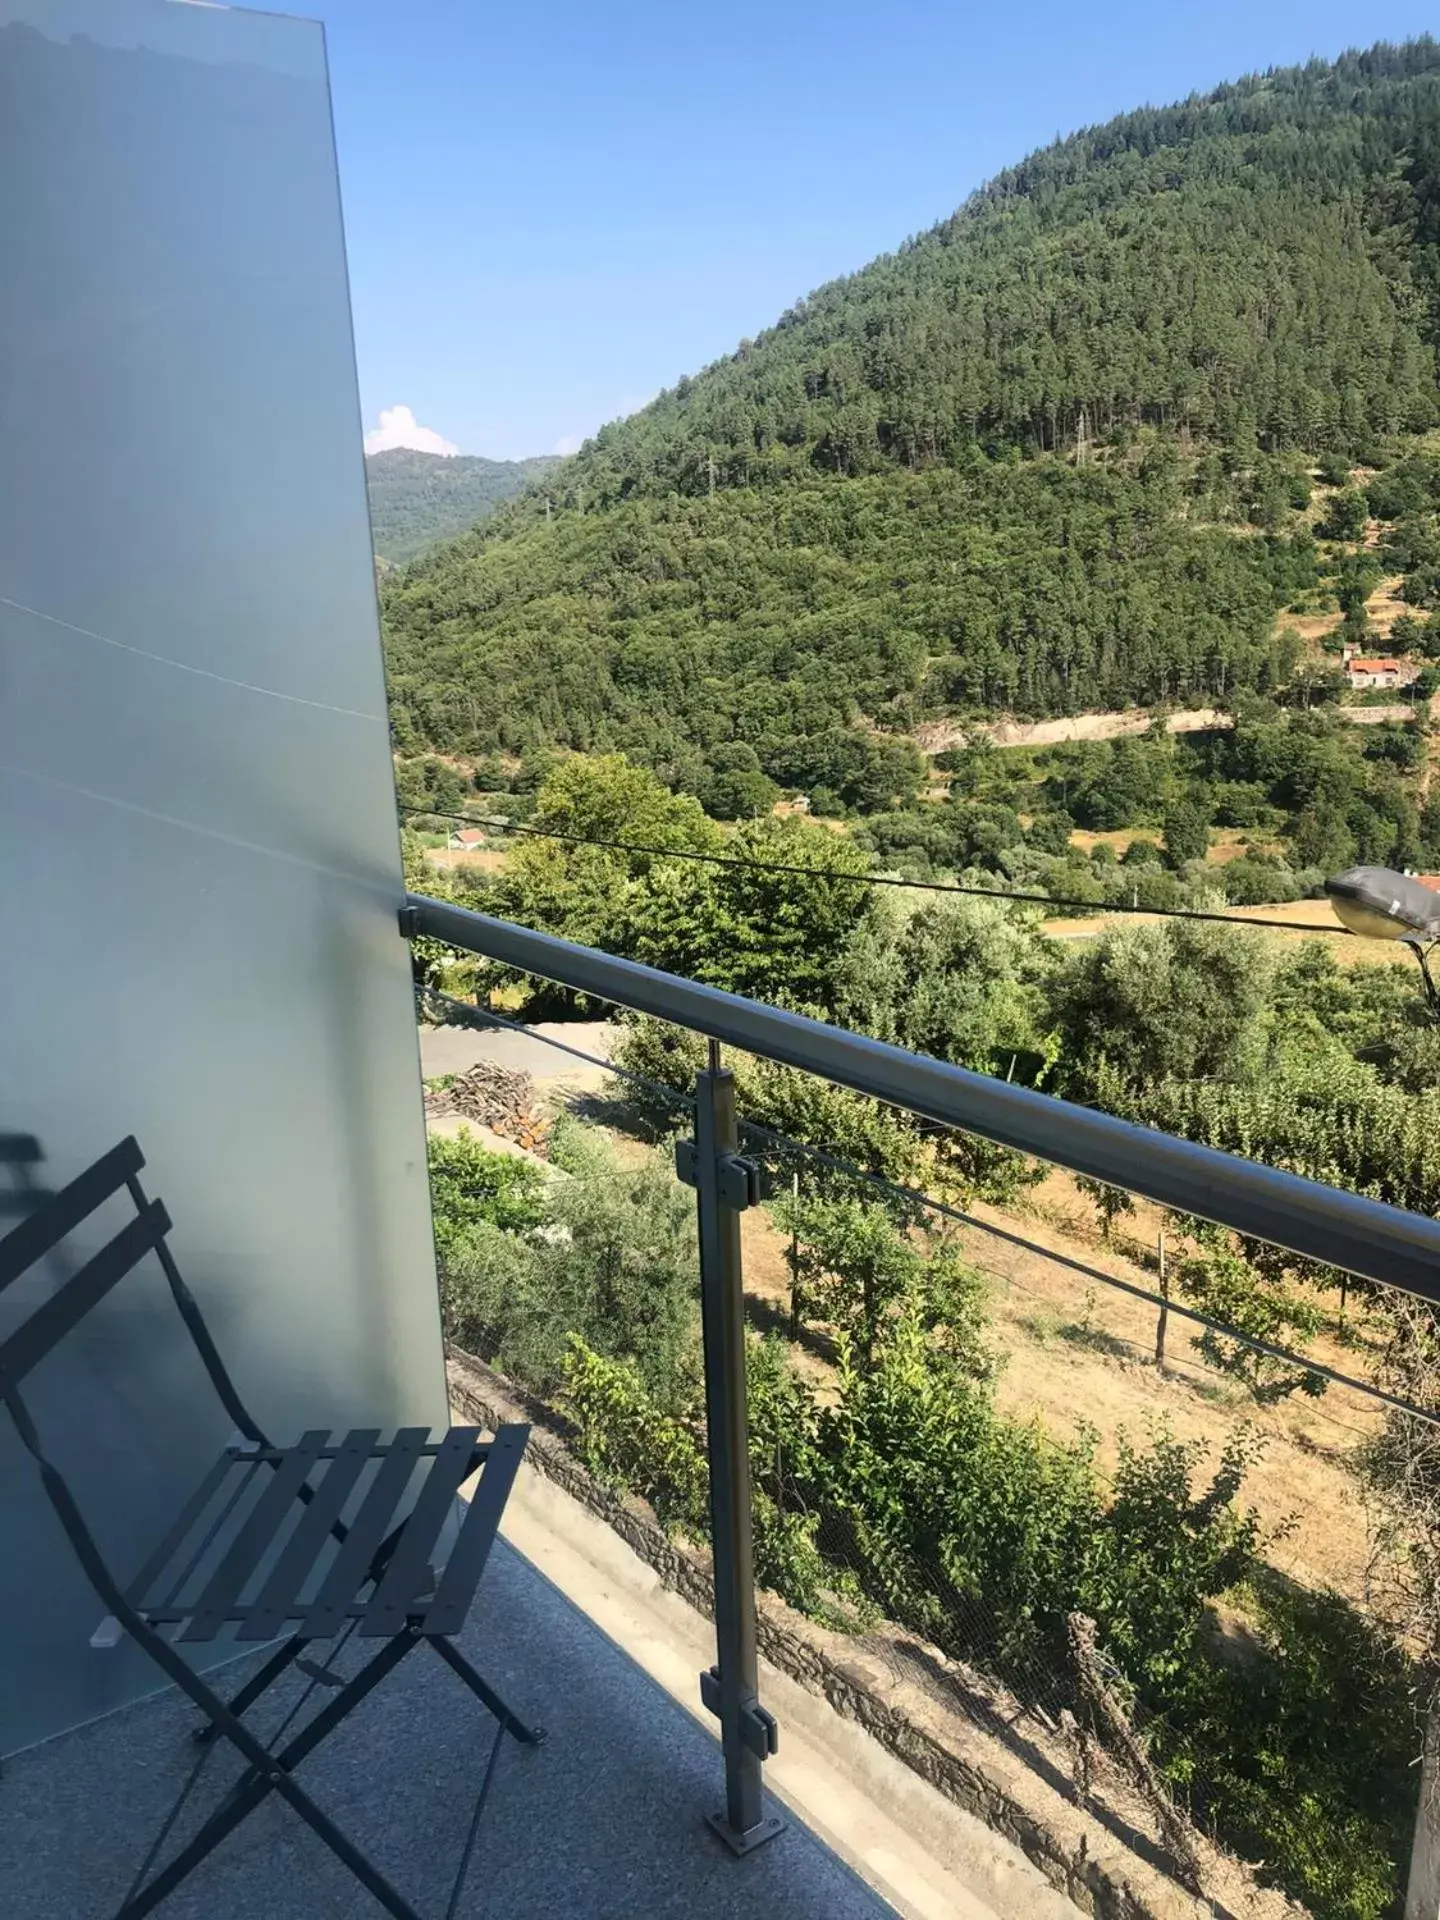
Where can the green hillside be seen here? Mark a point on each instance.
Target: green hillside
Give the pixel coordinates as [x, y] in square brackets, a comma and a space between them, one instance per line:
[1056, 454]
[420, 499]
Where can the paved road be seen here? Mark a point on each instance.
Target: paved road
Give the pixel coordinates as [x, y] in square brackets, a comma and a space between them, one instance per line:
[453, 1049]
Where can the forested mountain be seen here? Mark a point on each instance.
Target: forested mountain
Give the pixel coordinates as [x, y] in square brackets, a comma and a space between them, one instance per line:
[1052, 455]
[1261, 261]
[419, 499]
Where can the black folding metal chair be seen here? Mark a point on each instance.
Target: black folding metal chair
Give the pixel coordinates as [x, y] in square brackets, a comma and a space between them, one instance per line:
[263, 1544]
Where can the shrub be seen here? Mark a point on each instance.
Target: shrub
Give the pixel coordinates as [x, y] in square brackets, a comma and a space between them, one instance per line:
[1257, 880]
[469, 1184]
[629, 1444]
[614, 1263]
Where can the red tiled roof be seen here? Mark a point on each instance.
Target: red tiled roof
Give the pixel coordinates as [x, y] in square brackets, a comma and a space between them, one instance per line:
[1374, 666]
[470, 837]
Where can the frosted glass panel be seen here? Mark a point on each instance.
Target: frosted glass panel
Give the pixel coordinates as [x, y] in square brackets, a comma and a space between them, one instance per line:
[198, 860]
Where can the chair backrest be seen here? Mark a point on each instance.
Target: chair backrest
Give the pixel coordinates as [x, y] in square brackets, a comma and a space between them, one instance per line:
[40, 1234]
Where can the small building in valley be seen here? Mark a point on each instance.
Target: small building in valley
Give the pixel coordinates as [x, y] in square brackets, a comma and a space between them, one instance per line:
[1369, 672]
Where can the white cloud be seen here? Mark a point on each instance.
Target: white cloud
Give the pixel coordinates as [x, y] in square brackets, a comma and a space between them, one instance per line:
[571, 443]
[399, 428]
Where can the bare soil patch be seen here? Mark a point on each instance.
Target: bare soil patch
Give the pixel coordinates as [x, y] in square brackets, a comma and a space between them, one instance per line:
[1079, 1357]
[477, 859]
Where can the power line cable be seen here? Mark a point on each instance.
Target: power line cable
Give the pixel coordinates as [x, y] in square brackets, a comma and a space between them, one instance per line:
[504, 825]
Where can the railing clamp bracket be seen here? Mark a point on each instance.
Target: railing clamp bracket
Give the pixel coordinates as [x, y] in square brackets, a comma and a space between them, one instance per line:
[738, 1178]
[762, 1732]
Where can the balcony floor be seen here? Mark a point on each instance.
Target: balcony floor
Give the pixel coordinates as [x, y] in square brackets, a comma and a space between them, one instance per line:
[604, 1820]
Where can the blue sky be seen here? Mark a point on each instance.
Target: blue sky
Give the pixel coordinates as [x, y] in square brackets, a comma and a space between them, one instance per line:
[553, 211]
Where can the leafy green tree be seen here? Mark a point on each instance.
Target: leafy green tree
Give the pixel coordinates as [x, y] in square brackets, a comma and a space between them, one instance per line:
[1051, 831]
[1187, 832]
[1321, 837]
[1141, 853]
[1346, 516]
[1406, 633]
[774, 935]
[974, 768]
[849, 1266]
[983, 831]
[737, 787]
[964, 981]
[590, 893]
[1182, 1000]
[1223, 1283]
[427, 783]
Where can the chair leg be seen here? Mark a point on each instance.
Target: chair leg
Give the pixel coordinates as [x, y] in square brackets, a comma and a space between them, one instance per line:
[257, 1684]
[512, 1723]
[282, 1658]
[276, 1776]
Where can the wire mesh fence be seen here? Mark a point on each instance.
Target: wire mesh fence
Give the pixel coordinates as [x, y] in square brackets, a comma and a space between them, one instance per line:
[1011, 1442]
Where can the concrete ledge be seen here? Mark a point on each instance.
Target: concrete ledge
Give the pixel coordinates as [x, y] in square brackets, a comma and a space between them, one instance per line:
[1107, 1862]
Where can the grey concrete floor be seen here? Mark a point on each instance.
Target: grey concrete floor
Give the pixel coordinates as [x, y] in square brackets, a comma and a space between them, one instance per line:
[604, 1822]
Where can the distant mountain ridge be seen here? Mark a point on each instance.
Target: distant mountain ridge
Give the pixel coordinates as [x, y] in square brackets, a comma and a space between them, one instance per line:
[420, 499]
[1057, 455]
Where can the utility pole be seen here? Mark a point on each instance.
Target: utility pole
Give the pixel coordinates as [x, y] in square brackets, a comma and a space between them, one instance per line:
[1165, 1310]
[710, 463]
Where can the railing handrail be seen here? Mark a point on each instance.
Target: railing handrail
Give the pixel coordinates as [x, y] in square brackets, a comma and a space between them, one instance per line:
[1379, 1242]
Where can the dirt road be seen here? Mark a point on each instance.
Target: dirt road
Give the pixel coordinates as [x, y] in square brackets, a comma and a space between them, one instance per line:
[937, 736]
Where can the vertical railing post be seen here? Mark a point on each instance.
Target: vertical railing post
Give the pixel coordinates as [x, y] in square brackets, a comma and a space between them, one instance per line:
[724, 1186]
[1422, 1893]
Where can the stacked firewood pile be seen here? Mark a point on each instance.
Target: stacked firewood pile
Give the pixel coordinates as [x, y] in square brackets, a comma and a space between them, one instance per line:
[500, 1098]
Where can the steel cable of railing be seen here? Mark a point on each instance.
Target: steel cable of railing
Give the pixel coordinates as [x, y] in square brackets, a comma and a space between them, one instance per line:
[467, 1013]
[914, 1197]
[1332, 1225]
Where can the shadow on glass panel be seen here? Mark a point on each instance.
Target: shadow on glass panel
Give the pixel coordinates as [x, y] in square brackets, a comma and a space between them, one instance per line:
[21, 1186]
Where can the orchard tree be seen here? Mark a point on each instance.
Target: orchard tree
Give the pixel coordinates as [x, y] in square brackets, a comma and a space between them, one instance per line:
[1183, 1001]
[1254, 1299]
[854, 1266]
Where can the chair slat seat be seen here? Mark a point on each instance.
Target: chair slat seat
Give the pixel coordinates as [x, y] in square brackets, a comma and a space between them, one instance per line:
[282, 1566]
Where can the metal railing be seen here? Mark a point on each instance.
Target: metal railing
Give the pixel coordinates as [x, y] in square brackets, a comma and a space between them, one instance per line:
[1380, 1243]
